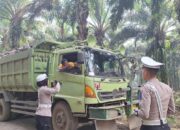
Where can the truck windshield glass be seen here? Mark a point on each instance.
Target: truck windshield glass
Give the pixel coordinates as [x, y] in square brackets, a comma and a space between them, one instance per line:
[102, 64]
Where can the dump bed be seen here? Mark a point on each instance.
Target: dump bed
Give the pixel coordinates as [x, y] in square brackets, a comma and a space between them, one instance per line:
[18, 71]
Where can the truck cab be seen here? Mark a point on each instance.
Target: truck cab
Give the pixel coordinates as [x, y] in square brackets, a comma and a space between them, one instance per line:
[96, 89]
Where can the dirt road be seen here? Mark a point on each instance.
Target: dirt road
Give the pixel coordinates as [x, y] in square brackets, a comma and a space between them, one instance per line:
[28, 123]
[24, 123]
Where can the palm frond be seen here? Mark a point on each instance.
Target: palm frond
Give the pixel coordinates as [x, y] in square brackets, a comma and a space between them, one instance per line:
[177, 5]
[38, 6]
[126, 33]
[118, 8]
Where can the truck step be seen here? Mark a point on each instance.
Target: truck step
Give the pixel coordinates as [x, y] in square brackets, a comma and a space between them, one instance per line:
[23, 107]
[23, 112]
[33, 103]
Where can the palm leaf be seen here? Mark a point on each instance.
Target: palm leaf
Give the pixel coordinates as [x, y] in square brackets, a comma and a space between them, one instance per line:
[126, 33]
[118, 8]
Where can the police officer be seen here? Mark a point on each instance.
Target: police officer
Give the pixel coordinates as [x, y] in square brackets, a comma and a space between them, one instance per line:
[43, 112]
[157, 98]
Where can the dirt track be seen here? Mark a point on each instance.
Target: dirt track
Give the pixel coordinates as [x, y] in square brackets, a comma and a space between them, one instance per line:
[28, 123]
[19, 124]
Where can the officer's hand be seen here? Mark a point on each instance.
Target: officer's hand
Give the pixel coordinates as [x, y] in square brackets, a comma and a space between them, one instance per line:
[58, 83]
[55, 82]
[135, 112]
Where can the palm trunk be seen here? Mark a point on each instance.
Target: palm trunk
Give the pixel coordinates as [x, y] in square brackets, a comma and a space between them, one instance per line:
[15, 26]
[159, 38]
[177, 5]
[82, 12]
[62, 31]
[99, 34]
[15, 32]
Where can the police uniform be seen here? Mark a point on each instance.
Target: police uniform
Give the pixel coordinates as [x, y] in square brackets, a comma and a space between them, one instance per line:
[157, 100]
[43, 112]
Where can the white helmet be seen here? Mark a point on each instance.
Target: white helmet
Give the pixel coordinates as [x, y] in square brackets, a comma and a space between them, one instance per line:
[41, 77]
[150, 63]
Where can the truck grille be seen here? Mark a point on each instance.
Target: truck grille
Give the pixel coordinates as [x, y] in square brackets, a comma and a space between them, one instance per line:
[111, 95]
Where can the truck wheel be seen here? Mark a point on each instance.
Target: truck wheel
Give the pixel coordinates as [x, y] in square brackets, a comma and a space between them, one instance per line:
[62, 118]
[4, 110]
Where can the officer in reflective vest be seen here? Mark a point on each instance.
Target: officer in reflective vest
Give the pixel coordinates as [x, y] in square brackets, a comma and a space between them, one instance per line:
[43, 112]
[157, 101]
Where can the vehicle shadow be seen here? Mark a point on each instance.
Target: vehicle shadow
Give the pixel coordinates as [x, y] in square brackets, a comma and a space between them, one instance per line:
[87, 127]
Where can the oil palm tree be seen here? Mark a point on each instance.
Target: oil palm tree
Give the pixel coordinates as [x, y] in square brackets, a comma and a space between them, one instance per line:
[13, 13]
[117, 9]
[132, 26]
[177, 6]
[98, 19]
[154, 29]
[37, 6]
[63, 12]
[82, 12]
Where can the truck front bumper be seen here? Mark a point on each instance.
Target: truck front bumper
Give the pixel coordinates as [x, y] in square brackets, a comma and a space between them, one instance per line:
[106, 112]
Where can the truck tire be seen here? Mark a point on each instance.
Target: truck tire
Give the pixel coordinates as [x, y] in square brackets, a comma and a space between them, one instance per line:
[4, 110]
[62, 118]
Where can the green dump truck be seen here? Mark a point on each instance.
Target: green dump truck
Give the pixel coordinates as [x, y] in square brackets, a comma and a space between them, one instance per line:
[95, 90]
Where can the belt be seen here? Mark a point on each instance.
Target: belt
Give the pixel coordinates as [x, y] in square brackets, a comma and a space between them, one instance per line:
[44, 105]
[154, 122]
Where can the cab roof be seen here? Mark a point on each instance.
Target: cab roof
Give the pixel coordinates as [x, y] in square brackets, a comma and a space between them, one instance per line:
[52, 45]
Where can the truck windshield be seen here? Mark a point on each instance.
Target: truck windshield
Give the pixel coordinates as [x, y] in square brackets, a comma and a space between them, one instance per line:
[104, 64]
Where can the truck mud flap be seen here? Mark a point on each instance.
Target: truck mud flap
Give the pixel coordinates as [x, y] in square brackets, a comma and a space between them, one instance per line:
[106, 125]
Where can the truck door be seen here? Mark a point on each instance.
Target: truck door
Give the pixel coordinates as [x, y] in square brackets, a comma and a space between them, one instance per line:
[72, 79]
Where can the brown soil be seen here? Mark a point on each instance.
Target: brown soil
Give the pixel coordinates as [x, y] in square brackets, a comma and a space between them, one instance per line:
[28, 123]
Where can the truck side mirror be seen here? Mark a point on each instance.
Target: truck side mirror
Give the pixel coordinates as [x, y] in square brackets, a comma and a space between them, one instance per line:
[80, 58]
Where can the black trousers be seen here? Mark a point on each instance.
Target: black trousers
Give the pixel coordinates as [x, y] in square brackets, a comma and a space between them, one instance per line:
[164, 127]
[43, 123]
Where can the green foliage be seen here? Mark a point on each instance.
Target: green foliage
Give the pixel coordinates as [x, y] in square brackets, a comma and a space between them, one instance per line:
[91, 40]
[63, 16]
[171, 120]
[159, 28]
[167, 44]
[122, 50]
[126, 33]
[177, 98]
[13, 13]
[177, 6]
[82, 12]
[98, 20]
[117, 9]
[133, 25]
[37, 6]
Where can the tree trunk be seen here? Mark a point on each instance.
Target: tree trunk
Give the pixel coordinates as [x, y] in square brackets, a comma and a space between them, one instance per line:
[62, 31]
[15, 32]
[177, 5]
[99, 34]
[159, 38]
[82, 12]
